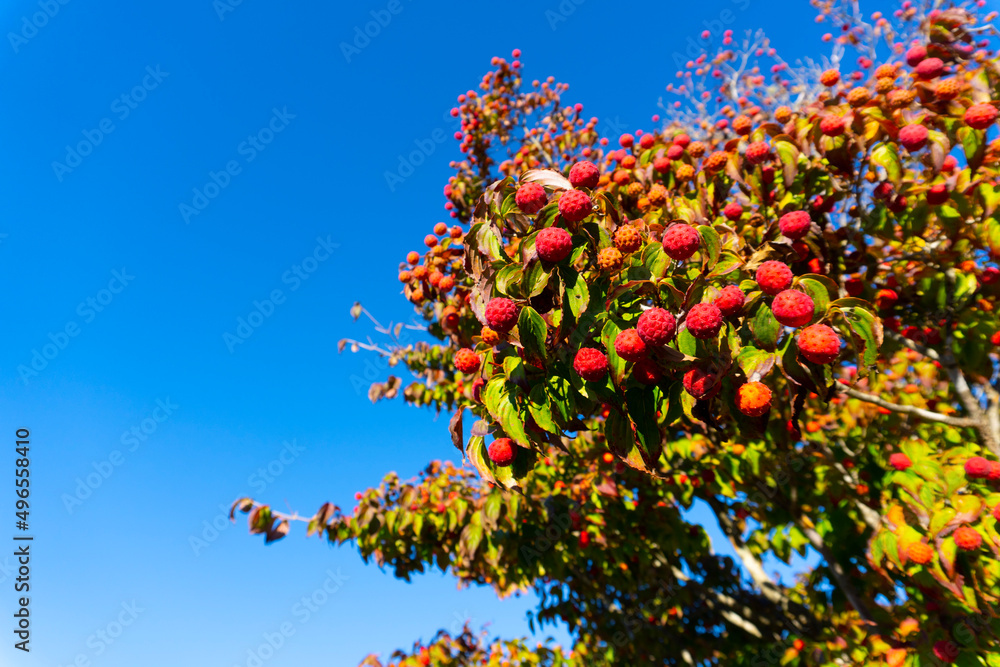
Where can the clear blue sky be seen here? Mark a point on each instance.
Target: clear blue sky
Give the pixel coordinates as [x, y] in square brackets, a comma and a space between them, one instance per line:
[164, 288]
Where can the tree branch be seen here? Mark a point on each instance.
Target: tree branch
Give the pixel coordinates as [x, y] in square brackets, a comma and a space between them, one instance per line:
[837, 571]
[926, 415]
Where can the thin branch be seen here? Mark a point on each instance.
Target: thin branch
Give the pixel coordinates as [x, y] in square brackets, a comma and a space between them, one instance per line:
[843, 582]
[926, 415]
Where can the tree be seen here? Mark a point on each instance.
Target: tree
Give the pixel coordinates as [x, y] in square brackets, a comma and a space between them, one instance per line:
[781, 305]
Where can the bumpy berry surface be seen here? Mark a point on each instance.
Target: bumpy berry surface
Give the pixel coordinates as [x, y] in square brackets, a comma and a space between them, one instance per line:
[628, 239]
[795, 224]
[704, 320]
[793, 308]
[681, 241]
[701, 384]
[753, 399]
[575, 205]
[590, 364]
[919, 553]
[501, 314]
[900, 461]
[730, 301]
[773, 277]
[819, 344]
[967, 538]
[656, 327]
[467, 360]
[502, 451]
[584, 174]
[554, 244]
[630, 346]
[757, 152]
[531, 198]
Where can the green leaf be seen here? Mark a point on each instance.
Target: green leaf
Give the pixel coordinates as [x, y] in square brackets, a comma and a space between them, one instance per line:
[533, 332]
[615, 363]
[541, 411]
[865, 327]
[576, 294]
[974, 144]
[711, 243]
[728, 262]
[536, 279]
[755, 363]
[765, 327]
[886, 155]
[819, 294]
[654, 259]
[642, 404]
[508, 281]
[788, 153]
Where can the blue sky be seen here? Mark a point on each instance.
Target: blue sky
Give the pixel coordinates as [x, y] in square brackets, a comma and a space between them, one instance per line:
[222, 155]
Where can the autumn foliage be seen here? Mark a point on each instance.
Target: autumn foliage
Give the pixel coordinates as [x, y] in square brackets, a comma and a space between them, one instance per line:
[778, 304]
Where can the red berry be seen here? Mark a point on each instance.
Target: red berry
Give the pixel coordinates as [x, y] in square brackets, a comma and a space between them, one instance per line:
[662, 164]
[531, 198]
[938, 194]
[467, 361]
[795, 224]
[590, 364]
[946, 651]
[753, 399]
[900, 461]
[829, 78]
[919, 553]
[773, 277]
[701, 384]
[977, 466]
[674, 152]
[553, 244]
[793, 308]
[626, 140]
[575, 205]
[584, 175]
[733, 211]
[929, 68]
[832, 126]
[682, 140]
[980, 116]
[757, 152]
[430, 240]
[656, 327]
[913, 137]
[704, 320]
[950, 162]
[730, 300]
[680, 241]
[501, 314]
[630, 346]
[819, 344]
[967, 538]
[798, 644]
[915, 55]
[502, 451]
[646, 371]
